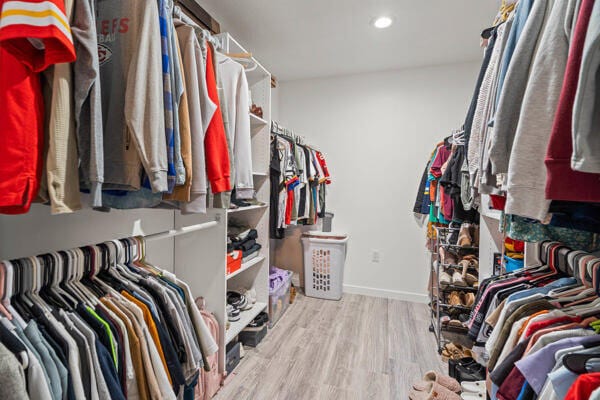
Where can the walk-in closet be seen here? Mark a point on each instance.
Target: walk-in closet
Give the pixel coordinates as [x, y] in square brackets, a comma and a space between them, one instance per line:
[272, 200]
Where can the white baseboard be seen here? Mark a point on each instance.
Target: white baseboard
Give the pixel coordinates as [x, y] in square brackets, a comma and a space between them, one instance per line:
[389, 294]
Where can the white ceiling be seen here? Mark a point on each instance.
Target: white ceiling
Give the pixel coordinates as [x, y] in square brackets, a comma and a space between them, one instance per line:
[298, 39]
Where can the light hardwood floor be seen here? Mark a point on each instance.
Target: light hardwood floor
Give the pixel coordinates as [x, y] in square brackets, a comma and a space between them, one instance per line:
[356, 349]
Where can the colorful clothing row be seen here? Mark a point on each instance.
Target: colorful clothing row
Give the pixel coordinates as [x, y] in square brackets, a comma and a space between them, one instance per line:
[138, 109]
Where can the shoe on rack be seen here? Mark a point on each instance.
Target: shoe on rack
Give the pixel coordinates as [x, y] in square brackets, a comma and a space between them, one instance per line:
[470, 372]
[249, 294]
[233, 313]
[473, 387]
[454, 230]
[464, 236]
[445, 279]
[453, 363]
[468, 299]
[458, 280]
[258, 322]
[238, 301]
[447, 257]
[464, 318]
[454, 299]
[475, 234]
[445, 318]
[442, 380]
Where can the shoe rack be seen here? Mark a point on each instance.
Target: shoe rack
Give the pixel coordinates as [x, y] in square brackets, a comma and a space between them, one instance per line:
[440, 294]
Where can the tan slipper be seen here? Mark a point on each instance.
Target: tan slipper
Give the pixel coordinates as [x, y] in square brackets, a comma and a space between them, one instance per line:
[470, 279]
[433, 391]
[435, 378]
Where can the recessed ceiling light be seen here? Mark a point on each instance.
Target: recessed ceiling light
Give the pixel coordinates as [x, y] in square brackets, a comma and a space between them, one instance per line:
[382, 22]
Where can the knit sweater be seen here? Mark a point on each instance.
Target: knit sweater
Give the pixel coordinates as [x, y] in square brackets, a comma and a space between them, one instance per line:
[563, 183]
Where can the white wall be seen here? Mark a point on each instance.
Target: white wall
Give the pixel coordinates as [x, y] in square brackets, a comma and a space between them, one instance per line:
[377, 131]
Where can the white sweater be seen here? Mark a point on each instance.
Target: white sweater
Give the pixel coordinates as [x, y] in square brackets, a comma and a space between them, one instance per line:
[235, 108]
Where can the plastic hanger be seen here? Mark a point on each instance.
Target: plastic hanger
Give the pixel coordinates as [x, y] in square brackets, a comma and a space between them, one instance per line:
[8, 294]
[45, 292]
[576, 362]
[56, 279]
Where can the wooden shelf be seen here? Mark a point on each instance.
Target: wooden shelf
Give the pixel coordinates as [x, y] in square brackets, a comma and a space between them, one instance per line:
[249, 208]
[246, 266]
[245, 318]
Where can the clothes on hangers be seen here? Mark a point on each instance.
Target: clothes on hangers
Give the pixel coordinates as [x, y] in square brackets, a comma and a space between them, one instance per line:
[135, 122]
[299, 176]
[524, 89]
[130, 331]
[528, 324]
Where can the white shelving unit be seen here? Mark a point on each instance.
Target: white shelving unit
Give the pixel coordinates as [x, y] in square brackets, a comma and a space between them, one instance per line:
[254, 273]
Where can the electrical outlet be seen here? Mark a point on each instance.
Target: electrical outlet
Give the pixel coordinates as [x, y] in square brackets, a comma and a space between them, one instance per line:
[375, 256]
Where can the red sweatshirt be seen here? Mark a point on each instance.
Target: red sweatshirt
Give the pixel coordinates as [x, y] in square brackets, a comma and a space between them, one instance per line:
[215, 142]
[562, 182]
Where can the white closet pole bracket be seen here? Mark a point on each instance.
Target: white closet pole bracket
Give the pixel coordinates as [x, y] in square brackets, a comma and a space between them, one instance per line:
[181, 231]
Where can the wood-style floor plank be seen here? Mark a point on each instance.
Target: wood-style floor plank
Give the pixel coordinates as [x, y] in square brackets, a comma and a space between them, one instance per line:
[357, 348]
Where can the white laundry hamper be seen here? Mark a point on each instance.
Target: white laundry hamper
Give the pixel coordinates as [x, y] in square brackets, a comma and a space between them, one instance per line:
[324, 259]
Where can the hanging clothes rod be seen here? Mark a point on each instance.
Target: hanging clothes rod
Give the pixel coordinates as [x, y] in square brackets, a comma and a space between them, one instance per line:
[181, 231]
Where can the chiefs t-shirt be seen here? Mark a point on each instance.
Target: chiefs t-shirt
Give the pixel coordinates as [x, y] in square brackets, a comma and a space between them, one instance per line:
[33, 36]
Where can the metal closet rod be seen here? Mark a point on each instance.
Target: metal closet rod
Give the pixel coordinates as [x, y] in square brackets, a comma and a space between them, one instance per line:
[181, 231]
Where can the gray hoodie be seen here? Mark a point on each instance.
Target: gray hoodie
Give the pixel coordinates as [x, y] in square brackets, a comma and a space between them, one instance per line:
[132, 99]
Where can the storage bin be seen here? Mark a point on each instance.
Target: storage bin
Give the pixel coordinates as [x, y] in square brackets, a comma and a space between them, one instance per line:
[234, 261]
[324, 259]
[253, 336]
[232, 359]
[279, 300]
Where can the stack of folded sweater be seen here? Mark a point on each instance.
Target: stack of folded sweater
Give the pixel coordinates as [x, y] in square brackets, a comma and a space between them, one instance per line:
[244, 241]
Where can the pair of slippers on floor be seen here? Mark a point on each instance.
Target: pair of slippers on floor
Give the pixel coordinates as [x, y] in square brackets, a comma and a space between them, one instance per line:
[441, 387]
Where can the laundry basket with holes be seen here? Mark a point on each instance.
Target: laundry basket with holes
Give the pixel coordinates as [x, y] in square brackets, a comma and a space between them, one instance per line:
[324, 258]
